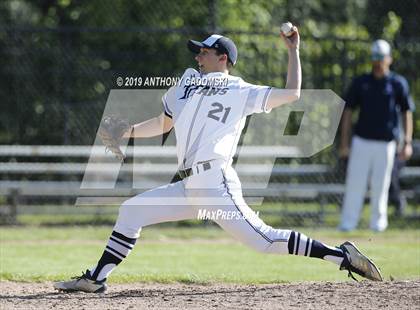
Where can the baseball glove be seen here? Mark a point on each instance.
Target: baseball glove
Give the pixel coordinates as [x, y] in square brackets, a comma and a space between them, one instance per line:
[111, 132]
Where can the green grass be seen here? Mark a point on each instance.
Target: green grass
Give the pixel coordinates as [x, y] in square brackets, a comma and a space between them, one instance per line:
[273, 213]
[198, 255]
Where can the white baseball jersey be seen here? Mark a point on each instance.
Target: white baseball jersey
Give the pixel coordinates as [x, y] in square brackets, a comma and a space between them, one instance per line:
[209, 112]
[208, 122]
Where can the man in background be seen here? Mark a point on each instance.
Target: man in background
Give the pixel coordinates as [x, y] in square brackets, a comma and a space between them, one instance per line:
[381, 97]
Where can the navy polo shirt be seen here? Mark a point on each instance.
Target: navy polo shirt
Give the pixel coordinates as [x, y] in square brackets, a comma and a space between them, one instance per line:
[380, 101]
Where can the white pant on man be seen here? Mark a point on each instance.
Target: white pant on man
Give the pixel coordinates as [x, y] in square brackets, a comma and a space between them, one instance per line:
[369, 159]
[217, 189]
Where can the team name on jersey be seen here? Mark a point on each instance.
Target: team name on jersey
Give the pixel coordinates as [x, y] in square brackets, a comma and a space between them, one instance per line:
[188, 91]
[206, 91]
[211, 91]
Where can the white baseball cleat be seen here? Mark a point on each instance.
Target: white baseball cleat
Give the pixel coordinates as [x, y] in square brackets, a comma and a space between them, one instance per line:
[355, 261]
[82, 284]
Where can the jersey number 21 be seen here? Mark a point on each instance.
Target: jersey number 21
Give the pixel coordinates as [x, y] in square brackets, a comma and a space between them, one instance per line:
[216, 113]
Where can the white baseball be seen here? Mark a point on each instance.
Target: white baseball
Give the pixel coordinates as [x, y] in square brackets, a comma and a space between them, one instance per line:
[287, 29]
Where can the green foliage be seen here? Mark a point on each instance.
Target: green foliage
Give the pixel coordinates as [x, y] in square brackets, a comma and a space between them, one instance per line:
[59, 59]
[392, 26]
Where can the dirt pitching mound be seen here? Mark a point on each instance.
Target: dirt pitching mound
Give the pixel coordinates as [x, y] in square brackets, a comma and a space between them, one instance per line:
[319, 295]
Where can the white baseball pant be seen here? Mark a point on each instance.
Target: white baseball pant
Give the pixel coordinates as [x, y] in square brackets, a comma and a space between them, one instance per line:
[369, 159]
[217, 189]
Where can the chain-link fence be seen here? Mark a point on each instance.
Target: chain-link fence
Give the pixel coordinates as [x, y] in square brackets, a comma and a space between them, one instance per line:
[59, 61]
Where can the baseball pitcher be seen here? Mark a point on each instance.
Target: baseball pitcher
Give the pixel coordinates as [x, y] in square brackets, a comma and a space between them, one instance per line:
[207, 110]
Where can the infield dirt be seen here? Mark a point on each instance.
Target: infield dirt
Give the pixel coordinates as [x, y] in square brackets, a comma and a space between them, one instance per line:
[314, 295]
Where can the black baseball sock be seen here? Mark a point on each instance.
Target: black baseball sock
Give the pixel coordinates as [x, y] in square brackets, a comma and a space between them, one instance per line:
[299, 244]
[118, 247]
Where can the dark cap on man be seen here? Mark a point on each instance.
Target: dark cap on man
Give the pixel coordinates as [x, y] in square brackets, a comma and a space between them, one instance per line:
[217, 42]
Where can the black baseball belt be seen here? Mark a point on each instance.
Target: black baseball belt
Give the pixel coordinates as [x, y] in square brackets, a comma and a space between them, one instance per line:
[200, 167]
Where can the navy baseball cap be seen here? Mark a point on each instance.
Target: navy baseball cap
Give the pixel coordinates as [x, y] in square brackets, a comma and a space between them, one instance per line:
[219, 43]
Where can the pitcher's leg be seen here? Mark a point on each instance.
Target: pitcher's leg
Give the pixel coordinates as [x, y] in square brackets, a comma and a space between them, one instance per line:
[162, 204]
[247, 227]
